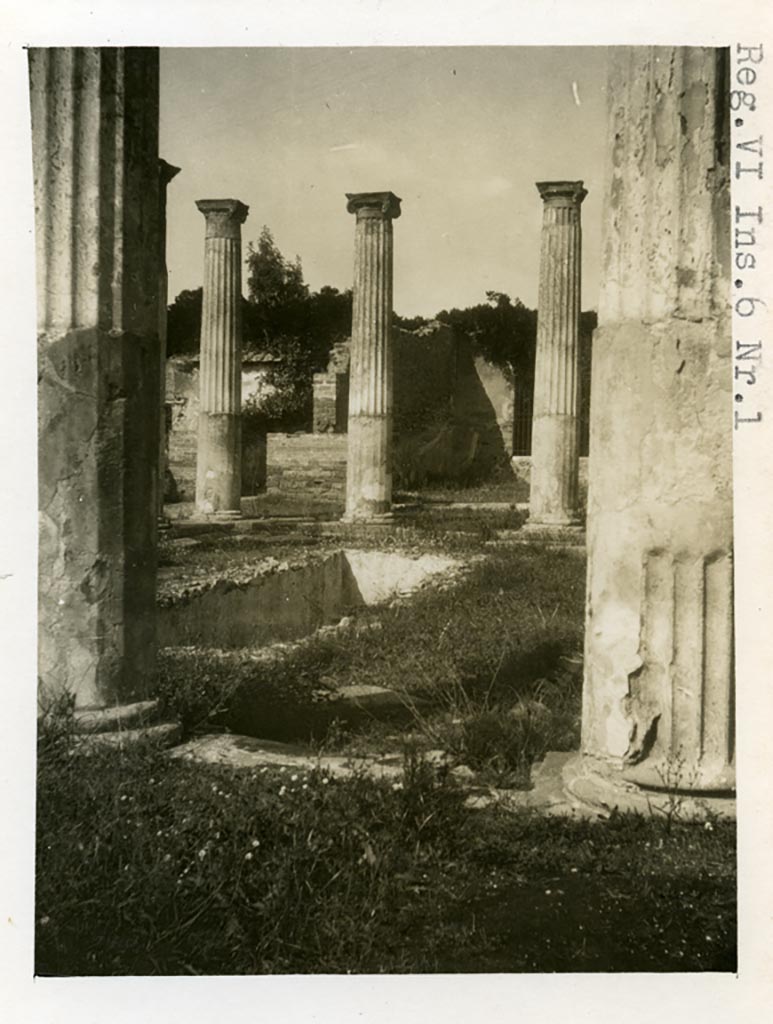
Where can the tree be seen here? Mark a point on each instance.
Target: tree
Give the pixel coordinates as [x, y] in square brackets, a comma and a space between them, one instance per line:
[183, 323]
[288, 321]
[276, 293]
[503, 332]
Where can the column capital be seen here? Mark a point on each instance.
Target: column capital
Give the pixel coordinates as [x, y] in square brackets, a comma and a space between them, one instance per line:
[562, 193]
[166, 172]
[373, 204]
[224, 217]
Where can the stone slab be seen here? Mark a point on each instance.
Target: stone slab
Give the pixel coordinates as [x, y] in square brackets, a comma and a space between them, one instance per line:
[119, 717]
[249, 753]
[163, 735]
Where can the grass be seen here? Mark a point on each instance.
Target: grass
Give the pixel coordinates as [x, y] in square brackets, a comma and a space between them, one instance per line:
[505, 487]
[151, 866]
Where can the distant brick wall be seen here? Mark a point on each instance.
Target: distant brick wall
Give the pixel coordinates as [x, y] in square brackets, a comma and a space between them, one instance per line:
[314, 463]
[331, 402]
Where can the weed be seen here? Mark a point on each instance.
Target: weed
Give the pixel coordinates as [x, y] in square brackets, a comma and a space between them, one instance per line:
[151, 866]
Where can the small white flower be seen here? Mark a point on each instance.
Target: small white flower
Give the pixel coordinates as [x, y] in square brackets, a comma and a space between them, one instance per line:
[202, 854]
[283, 790]
[248, 856]
[167, 858]
[304, 786]
[123, 797]
[293, 778]
[397, 786]
[255, 842]
[325, 781]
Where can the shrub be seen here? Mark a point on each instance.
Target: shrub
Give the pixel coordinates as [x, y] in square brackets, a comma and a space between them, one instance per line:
[281, 698]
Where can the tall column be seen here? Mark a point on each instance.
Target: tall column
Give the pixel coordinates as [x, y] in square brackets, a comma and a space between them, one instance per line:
[95, 161]
[369, 458]
[553, 499]
[659, 692]
[218, 460]
[165, 174]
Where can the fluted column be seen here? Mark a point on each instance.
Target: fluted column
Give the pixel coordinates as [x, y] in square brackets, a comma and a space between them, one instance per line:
[218, 459]
[165, 174]
[95, 161]
[369, 459]
[659, 693]
[553, 499]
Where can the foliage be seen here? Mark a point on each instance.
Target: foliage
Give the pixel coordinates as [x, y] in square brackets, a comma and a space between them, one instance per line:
[409, 323]
[279, 697]
[273, 282]
[183, 323]
[281, 317]
[503, 331]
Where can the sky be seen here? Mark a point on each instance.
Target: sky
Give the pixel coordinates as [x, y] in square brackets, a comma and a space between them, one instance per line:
[461, 134]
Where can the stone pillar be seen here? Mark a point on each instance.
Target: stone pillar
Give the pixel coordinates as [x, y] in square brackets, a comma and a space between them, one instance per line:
[95, 162]
[554, 497]
[165, 174]
[369, 458]
[218, 460]
[659, 692]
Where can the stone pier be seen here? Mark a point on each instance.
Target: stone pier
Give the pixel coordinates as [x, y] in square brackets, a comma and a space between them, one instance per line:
[554, 493]
[165, 174]
[95, 161]
[658, 702]
[218, 461]
[369, 460]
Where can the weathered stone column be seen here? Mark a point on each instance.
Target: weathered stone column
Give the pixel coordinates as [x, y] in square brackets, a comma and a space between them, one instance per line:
[95, 159]
[659, 692]
[553, 497]
[218, 460]
[369, 459]
[165, 174]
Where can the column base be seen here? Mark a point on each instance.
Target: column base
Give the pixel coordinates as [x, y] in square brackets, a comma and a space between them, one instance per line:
[221, 516]
[368, 518]
[598, 786]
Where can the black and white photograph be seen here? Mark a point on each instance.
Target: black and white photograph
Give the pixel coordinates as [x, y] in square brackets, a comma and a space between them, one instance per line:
[393, 427]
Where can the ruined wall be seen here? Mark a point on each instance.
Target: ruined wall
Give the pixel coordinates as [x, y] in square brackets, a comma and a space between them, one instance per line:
[424, 364]
[182, 403]
[424, 370]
